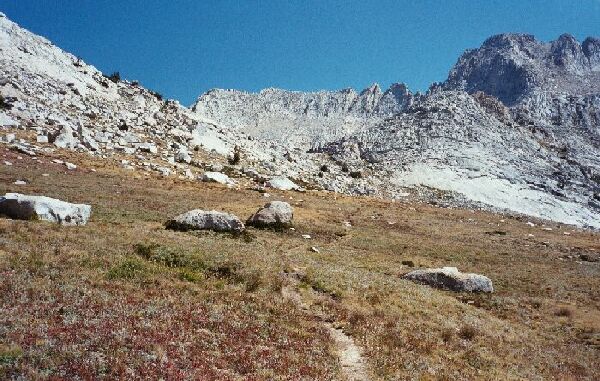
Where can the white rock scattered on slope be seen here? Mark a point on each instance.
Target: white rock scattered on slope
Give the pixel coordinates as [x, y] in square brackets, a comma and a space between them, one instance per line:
[217, 177]
[199, 219]
[483, 153]
[65, 138]
[449, 278]
[70, 166]
[273, 214]
[183, 156]
[282, 183]
[26, 207]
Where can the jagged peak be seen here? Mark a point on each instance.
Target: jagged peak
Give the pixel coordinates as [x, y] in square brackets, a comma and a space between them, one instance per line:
[591, 48]
[373, 89]
[507, 39]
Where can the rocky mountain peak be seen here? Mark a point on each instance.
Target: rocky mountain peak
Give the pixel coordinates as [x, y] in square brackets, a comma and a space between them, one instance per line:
[509, 40]
[591, 49]
[567, 53]
[513, 66]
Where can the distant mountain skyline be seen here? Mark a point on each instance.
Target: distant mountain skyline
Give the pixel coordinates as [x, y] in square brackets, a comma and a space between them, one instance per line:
[186, 49]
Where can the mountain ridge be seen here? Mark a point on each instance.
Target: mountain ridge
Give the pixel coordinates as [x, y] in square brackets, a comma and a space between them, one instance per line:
[538, 156]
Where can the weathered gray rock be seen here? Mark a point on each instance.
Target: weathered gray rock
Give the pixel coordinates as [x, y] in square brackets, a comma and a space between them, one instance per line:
[217, 177]
[65, 138]
[25, 207]
[449, 278]
[199, 219]
[282, 183]
[273, 214]
[183, 156]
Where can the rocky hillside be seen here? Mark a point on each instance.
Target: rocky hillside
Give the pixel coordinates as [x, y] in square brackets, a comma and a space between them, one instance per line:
[304, 119]
[515, 127]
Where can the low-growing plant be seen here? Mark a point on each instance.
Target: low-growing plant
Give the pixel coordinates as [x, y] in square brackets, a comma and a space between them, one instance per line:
[129, 268]
[115, 77]
[190, 276]
[467, 332]
[169, 257]
[9, 354]
[564, 312]
[236, 157]
[4, 105]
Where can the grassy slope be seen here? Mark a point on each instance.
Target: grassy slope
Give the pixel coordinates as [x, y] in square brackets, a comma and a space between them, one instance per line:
[86, 301]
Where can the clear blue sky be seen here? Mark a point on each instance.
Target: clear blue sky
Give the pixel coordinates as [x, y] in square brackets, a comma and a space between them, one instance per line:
[185, 47]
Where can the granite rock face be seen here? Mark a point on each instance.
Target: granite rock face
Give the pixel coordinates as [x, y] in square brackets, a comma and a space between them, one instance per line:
[512, 66]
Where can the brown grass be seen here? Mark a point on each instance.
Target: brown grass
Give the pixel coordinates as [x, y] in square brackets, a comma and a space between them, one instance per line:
[124, 298]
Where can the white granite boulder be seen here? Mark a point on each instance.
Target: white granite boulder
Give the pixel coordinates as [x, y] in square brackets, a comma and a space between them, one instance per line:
[283, 183]
[449, 278]
[273, 214]
[217, 177]
[199, 219]
[65, 138]
[24, 207]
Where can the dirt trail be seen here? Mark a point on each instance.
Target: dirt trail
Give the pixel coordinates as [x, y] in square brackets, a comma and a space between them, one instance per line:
[350, 354]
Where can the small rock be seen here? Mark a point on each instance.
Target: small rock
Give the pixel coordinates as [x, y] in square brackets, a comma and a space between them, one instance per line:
[306, 236]
[282, 183]
[9, 138]
[314, 249]
[70, 166]
[20, 182]
[217, 177]
[199, 219]
[182, 156]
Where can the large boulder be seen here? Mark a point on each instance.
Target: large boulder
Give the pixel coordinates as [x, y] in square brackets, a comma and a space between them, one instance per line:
[449, 278]
[65, 138]
[24, 207]
[199, 219]
[217, 177]
[282, 183]
[273, 214]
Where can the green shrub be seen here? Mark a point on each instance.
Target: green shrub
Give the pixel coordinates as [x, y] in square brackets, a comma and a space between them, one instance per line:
[237, 156]
[10, 354]
[4, 105]
[115, 77]
[129, 268]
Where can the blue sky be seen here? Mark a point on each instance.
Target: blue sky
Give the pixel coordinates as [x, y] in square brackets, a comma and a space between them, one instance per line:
[183, 48]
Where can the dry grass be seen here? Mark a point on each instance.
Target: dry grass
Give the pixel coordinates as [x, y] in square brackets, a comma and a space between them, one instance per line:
[124, 298]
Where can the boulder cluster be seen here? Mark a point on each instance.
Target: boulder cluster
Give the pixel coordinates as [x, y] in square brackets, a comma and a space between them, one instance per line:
[275, 214]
